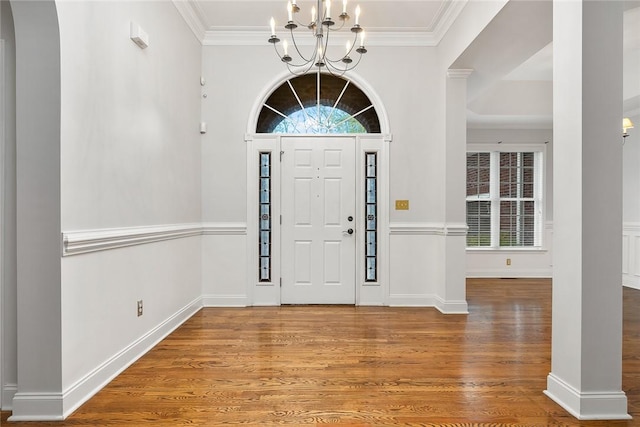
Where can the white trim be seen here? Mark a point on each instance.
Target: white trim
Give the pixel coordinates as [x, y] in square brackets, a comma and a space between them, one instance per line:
[8, 392]
[285, 75]
[631, 254]
[451, 307]
[224, 229]
[225, 301]
[427, 229]
[411, 300]
[455, 229]
[79, 242]
[256, 37]
[84, 241]
[446, 19]
[431, 36]
[193, 16]
[37, 407]
[459, 73]
[541, 273]
[3, 180]
[416, 228]
[631, 227]
[587, 405]
[58, 406]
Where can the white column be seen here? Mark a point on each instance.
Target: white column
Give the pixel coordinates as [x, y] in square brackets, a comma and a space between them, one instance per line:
[39, 295]
[586, 355]
[451, 292]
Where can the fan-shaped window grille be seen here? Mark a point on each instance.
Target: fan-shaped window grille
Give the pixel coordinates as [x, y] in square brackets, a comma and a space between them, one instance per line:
[315, 104]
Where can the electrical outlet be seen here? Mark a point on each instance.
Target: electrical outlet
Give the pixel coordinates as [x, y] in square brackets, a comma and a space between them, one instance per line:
[139, 308]
[508, 261]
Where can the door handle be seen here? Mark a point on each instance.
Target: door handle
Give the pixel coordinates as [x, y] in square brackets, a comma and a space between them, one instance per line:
[349, 231]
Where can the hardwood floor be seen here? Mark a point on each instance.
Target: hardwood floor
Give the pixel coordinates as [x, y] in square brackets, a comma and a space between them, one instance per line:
[357, 366]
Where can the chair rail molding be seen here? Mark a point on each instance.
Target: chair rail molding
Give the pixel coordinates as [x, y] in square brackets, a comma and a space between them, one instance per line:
[84, 241]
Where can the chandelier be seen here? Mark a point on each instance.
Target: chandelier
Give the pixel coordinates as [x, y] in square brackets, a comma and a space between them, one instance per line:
[320, 26]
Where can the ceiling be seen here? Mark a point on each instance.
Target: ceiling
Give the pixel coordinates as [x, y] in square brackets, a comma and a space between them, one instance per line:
[512, 56]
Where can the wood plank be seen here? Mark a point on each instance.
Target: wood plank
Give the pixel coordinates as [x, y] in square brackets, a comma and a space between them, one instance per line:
[357, 366]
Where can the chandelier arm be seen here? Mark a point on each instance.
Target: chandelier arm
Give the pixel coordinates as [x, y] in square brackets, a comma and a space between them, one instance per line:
[333, 70]
[353, 65]
[339, 72]
[347, 55]
[295, 45]
[330, 28]
[275, 48]
[296, 72]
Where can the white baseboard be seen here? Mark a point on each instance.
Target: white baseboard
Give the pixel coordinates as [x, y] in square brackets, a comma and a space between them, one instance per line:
[8, 392]
[411, 300]
[451, 307]
[631, 281]
[587, 406]
[37, 407]
[58, 406]
[520, 273]
[225, 301]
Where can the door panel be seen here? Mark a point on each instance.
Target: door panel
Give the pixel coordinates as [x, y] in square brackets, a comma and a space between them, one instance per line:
[318, 195]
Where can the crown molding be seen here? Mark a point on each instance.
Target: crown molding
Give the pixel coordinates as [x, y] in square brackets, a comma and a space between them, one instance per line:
[447, 15]
[193, 16]
[257, 37]
[459, 73]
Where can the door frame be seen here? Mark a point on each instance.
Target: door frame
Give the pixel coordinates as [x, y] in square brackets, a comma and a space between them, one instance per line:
[269, 293]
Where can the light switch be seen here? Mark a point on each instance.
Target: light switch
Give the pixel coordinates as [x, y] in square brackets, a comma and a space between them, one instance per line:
[402, 205]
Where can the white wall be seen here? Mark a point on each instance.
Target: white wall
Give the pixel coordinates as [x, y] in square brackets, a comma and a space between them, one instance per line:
[631, 207]
[412, 95]
[129, 166]
[130, 158]
[524, 262]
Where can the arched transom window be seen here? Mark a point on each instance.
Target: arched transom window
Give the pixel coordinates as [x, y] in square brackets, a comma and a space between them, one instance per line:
[316, 104]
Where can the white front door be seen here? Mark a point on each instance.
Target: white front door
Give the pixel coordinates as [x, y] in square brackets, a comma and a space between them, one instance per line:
[318, 210]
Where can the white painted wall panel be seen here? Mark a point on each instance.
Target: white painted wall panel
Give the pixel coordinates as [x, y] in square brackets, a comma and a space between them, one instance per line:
[224, 267]
[415, 266]
[130, 117]
[631, 254]
[101, 290]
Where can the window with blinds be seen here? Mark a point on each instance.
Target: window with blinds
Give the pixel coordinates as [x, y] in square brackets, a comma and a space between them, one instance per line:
[504, 199]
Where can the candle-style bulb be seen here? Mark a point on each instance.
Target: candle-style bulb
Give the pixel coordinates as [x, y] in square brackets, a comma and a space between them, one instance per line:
[313, 14]
[285, 46]
[357, 14]
[273, 26]
[290, 11]
[348, 47]
[328, 9]
[362, 38]
[344, 6]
